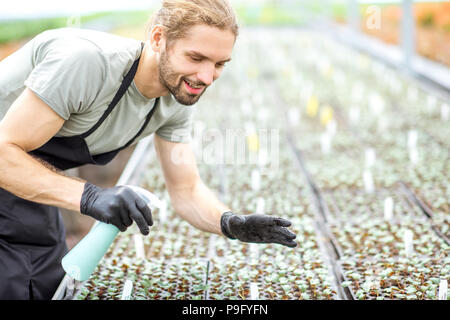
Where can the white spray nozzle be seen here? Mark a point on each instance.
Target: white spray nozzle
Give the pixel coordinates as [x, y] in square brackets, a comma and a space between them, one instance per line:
[149, 197]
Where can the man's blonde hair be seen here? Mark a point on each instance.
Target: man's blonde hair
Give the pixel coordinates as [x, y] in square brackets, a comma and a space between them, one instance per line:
[177, 16]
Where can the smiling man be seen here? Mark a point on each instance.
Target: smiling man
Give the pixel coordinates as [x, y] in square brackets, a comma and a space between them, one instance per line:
[71, 97]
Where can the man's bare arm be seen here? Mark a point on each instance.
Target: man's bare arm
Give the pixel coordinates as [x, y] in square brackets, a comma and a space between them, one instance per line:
[194, 202]
[190, 197]
[29, 124]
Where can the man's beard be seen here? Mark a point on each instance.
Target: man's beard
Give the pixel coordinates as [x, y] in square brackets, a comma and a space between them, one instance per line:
[168, 78]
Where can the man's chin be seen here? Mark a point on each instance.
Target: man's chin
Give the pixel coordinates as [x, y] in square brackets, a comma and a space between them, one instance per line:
[186, 100]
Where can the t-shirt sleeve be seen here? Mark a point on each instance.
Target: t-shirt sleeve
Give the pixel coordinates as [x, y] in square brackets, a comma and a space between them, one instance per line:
[178, 128]
[67, 79]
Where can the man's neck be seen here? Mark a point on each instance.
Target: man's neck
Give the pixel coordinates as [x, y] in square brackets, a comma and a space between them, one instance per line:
[147, 75]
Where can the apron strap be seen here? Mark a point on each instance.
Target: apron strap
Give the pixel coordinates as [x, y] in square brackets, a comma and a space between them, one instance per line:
[147, 119]
[119, 94]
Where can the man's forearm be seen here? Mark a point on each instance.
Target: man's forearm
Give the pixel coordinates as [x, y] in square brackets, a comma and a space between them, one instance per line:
[200, 207]
[29, 179]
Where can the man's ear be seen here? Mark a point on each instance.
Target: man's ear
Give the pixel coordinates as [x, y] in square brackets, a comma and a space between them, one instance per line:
[157, 38]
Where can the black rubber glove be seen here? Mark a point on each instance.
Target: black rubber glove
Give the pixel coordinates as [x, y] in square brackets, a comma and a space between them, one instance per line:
[119, 206]
[258, 228]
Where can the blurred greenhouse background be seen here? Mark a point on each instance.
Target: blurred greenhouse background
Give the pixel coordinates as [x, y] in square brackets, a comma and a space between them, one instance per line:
[343, 65]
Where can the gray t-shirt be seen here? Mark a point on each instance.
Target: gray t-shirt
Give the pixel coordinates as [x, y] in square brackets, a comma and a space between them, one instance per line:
[77, 73]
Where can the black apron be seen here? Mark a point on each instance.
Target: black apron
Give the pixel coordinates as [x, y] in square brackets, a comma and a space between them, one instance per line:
[32, 235]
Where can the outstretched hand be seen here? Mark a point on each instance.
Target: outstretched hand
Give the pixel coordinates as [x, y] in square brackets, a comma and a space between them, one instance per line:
[257, 228]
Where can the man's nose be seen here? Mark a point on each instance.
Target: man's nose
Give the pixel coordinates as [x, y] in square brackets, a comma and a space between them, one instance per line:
[206, 74]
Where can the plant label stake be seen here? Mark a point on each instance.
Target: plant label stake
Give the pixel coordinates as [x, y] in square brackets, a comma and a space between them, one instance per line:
[325, 143]
[254, 251]
[263, 114]
[412, 139]
[256, 180]
[139, 246]
[388, 208]
[408, 240]
[260, 205]
[294, 116]
[413, 156]
[254, 292]
[163, 212]
[262, 157]
[443, 286]
[445, 112]
[370, 157]
[127, 289]
[368, 181]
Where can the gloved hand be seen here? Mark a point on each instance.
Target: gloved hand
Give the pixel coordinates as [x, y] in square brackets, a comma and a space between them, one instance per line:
[259, 228]
[119, 206]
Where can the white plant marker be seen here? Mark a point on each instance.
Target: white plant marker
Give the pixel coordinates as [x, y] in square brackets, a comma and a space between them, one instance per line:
[139, 246]
[408, 240]
[256, 180]
[254, 292]
[253, 251]
[368, 181]
[443, 287]
[325, 143]
[413, 156]
[263, 114]
[388, 208]
[127, 288]
[445, 112]
[370, 157]
[412, 139]
[294, 116]
[163, 212]
[263, 157]
[260, 205]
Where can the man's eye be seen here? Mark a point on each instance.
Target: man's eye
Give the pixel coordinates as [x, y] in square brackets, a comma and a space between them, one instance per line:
[220, 65]
[196, 59]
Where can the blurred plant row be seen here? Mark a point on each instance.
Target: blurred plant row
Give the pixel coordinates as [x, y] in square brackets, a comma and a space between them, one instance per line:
[359, 146]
